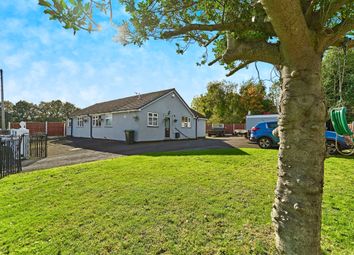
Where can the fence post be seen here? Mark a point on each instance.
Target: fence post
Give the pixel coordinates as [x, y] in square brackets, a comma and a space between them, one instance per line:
[46, 127]
[46, 146]
[19, 166]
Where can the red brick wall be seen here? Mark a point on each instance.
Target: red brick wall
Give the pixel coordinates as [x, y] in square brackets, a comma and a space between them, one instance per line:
[54, 128]
[229, 128]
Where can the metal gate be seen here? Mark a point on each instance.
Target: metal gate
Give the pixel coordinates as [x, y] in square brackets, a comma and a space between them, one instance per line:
[38, 146]
[10, 155]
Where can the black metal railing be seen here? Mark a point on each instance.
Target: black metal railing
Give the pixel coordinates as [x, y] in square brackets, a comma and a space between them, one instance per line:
[10, 155]
[38, 146]
[15, 148]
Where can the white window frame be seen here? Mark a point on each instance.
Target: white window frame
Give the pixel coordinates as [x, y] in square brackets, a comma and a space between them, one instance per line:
[152, 119]
[108, 117]
[186, 122]
[80, 121]
[97, 121]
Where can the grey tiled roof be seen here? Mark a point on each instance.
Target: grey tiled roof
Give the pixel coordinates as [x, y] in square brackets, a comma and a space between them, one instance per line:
[197, 114]
[127, 104]
[123, 104]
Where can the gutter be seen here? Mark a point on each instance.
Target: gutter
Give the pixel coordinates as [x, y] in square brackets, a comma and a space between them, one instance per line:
[82, 115]
[196, 128]
[90, 126]
[72, 127]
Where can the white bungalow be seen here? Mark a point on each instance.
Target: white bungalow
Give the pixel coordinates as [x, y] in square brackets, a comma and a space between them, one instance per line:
[155, 116]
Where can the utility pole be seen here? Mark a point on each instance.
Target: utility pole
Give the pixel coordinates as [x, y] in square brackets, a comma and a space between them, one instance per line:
[3, 126]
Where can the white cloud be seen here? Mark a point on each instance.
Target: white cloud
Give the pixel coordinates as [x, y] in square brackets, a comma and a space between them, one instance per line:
[91, 94]
[16, 60]
[20, 6]
[44, 62]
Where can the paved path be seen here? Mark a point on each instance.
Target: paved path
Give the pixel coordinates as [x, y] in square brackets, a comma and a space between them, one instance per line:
[70, 151]
[67, 159]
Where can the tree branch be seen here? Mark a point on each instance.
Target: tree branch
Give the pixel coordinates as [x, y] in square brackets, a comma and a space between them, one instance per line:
[317, 19]
[214, 61]
[211, 40]
[336, 35]
[350, 44]
[251, 51]
[329, 10]
[347, 42]
[200, 27]
[239, 67]
[308, 12]
[290, 26]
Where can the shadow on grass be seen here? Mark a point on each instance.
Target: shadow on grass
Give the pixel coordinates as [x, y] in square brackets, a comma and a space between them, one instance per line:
[342, 156]
[218, 151]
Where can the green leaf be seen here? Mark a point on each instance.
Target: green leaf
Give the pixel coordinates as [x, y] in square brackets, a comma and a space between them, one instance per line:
[44, 3]
[50, 12]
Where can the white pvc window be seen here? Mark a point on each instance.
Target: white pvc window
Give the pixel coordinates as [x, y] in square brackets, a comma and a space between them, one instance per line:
[152, 119]
[80, 122]
[186, 122]
[96, 120]
[108, 120]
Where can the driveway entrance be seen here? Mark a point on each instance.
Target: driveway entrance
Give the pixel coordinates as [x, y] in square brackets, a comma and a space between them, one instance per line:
[69, 151]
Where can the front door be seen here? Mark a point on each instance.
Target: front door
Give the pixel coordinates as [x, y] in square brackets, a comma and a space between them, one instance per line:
[167, 127]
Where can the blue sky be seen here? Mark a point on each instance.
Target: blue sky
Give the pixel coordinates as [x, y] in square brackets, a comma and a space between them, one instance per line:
[42, 61]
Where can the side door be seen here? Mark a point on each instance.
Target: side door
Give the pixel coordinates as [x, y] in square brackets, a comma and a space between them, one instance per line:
[167, 123]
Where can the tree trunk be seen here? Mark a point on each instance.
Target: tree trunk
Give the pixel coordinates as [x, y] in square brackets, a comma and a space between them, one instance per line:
[296, 213]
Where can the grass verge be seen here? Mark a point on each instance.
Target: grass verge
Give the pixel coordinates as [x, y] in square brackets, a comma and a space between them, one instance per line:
[193, 202]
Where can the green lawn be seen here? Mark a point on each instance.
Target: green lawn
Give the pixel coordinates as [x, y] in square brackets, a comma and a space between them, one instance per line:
[200, 202]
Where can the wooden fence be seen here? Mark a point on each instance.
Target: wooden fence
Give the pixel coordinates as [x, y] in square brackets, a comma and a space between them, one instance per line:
[49, 128]
[229, 128]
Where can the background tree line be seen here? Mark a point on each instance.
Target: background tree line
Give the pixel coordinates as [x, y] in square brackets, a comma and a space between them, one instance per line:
[55, 110]
[224, 103]
[332, 70]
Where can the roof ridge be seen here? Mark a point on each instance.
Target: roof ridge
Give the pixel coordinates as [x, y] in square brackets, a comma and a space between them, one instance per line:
[144, 94]
[124, 103]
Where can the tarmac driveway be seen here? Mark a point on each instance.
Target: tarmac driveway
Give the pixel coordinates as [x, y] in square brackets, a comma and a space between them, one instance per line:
[68, 151]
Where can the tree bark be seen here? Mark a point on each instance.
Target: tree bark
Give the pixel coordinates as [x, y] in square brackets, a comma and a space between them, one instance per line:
[296, 213]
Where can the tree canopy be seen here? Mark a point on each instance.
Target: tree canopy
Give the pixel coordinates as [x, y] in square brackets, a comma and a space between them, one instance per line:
[332, 73]
[241, 32]
[224, 102]
[54, 110]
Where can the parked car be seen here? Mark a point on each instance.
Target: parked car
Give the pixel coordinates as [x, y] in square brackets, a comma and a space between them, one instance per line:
[253, 120]
[239, 132]
[217, 130]
[262, 135]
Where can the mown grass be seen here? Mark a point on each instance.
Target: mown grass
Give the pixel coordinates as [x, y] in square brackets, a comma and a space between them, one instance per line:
[196, 202]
